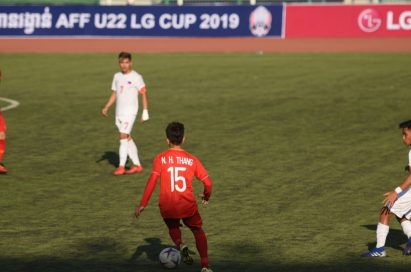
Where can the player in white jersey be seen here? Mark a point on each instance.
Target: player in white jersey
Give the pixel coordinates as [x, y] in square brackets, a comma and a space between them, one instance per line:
[126, 86]
[397, 202]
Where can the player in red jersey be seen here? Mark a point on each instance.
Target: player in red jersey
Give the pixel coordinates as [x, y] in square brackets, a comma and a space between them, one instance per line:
[3, 130]
[176, 169]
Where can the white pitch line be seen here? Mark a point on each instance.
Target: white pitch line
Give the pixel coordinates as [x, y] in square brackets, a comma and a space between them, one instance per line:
[13, 104]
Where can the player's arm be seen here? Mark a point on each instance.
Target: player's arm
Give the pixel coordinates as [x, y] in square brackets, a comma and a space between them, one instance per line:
[207, 190]
[148, 191]
[109, 103]
[144, 115]
[391, 197]
[201, 174]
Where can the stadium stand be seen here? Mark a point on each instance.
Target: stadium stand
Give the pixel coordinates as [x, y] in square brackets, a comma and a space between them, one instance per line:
[129, 2]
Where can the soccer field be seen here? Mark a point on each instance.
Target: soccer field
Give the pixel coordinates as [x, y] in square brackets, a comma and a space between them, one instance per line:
[300, 147]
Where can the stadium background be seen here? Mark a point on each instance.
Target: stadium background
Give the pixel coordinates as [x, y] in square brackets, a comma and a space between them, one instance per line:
[298, 133]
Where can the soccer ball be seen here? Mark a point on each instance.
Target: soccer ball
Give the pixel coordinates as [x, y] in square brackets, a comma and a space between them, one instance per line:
[169, 257]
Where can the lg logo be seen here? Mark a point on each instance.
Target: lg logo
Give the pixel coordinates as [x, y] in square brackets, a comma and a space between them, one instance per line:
[370, 20]
[403, 21]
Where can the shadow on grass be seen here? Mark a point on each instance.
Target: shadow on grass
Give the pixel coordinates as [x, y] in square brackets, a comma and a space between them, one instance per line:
[111, 157]
[151, 250]
[100, 247]
[103, 254]
[394, 239]
[49, 264]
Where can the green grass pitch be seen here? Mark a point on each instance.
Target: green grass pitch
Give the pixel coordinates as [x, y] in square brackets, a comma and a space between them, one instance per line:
[300, 147]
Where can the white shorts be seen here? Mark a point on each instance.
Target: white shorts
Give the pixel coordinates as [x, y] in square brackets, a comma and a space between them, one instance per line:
[125, 123]
[402, 207]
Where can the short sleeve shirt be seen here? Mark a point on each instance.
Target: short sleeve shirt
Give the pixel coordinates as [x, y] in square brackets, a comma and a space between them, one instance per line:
[127, 87]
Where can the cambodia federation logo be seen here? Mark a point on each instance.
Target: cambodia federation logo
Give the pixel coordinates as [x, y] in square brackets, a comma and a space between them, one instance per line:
[369, 20]
[260, 21]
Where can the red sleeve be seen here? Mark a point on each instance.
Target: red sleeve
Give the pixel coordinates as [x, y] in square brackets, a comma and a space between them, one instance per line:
[143, 90]
[156, 166]
[151, 183]
[148, 191]
[202, 175]
[207, 187]
[200, 171]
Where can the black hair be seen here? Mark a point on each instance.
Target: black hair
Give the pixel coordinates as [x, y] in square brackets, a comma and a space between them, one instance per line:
[124, 55]
[405, 124]
[175, 133]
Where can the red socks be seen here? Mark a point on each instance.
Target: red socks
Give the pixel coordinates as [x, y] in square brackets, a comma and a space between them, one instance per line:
[201, 243]
[2, 149]
[175, 234]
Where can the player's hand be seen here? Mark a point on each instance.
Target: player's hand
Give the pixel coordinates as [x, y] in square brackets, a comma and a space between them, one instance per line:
[138, 211]
[385, 210]
[389, 198]
[144, 116]
[204, 199]
[104, 112]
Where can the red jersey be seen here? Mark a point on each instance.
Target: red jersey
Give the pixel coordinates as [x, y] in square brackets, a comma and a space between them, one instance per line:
[176, 169]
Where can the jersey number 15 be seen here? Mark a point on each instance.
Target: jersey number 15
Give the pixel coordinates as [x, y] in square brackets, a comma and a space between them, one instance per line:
[175, 177]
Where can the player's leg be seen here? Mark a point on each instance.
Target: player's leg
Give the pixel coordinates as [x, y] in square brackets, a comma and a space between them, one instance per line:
[122, 125]
[173, 226]
[406, 227]
[122, 154]
[133, 154]
[402, 209]
[195, 224]
[382, 233]
[3, 170]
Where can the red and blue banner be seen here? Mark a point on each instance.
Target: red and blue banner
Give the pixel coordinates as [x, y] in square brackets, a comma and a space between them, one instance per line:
[142, 21]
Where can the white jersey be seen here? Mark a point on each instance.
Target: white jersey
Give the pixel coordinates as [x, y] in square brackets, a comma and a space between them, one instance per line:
[409, 158]
[127, 87]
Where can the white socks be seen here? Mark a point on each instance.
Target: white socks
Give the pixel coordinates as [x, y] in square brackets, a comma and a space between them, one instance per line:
[133, 152]
[406, 227]
[128, 148]
[123, 151]
[382, 232]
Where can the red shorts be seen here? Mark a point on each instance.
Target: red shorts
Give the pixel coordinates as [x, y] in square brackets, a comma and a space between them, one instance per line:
[2, 123]
[193, 222]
